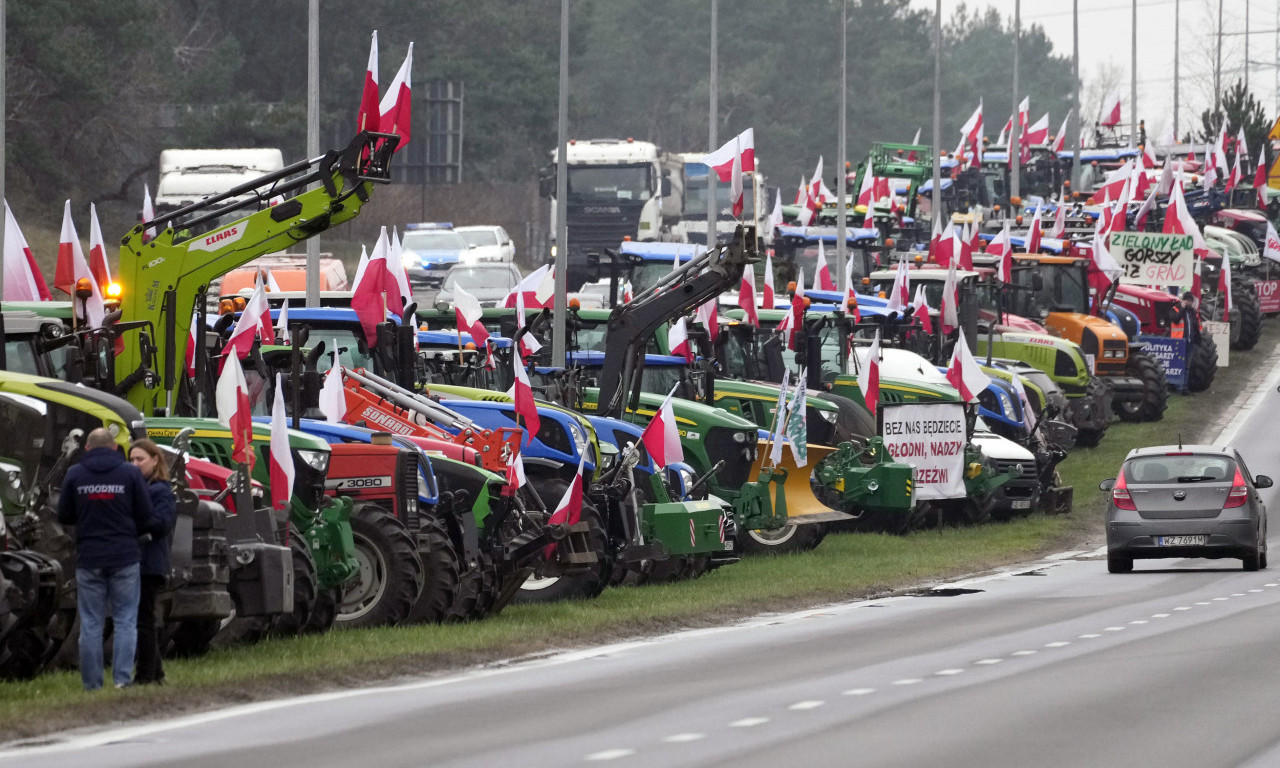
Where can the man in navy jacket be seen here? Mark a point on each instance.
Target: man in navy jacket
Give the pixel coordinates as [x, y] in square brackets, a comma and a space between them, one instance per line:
[106, 499]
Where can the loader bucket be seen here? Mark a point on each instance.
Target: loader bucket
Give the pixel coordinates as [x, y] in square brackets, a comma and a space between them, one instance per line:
[795, 493]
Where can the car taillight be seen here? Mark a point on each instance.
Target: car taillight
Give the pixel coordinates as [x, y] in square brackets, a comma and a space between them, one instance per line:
[1239, 493]
[1120, 495]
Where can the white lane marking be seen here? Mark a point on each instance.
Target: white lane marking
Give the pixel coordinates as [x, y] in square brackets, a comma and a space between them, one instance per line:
[1139, 621]
[907, 681]
[1160, 615]
[609, 754]
[1114, 629]
[1255, 590]
[681, 738]
[748, 722]
[1089, 636]
[1204, 602]
[1057, 644]
[1022, 653]
[1220, 599]
[803, 705]
[988, 662]
[859, 691]
[1183, 608]
[1238, 594]
[948, 672]
[1269, 584]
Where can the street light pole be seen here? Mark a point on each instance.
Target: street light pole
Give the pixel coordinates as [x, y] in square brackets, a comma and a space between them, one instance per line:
[313, 138]
[842, 181]
[1015, 148]
[558, 347]
[1133, 77]
[1077, 115]
[936, 205]
[713, 208]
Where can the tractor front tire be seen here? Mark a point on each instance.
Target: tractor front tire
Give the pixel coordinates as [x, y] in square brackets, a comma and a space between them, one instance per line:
[1245, 297]
[442, 572]
[1155, 390]
[785, 540]
[390, 578]
[1202, 363]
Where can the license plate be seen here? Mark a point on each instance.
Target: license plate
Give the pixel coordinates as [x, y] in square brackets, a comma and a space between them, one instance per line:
[1022, 504]
[1182, 541]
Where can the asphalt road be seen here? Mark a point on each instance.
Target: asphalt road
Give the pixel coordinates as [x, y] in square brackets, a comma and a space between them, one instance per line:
[1054, 663]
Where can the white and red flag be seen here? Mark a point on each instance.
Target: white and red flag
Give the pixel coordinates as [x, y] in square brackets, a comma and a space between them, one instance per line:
[851, 296]
[569, 509]
[1224, 285]
[1236, 175]
[735, 184]
[98, 251]
[964, 373]
[1110, 116]
[399, 294]
[1260, 178]
[1038, 132]
[1034, 233]
[1271, 248]
[915, 141]
[395, 111]
[369, 296]
[1024, 147]
[522, 398]
[282, 471]
[528, 343]
[538, 289]
[945, 246]
[1060, 218]
[367, 118]
[72, 268]
[189, 357]
[282, 324]
[970, 151]
[822, 280]
[678, 339]
[869, 379]
[1149, 157]
[767, 293]
[921, 310]
[231, 398]
[1060, 140]
[23, 280]
[361, 266]
[708, 314]
[899, 295]
[470, 317]
[661, 436]
[1002, 246]
[950, 307]
[775, 216]
[743, 147]
[254, 322]
[333, 398]
[747, 296]
[973, 235]
[148, 214]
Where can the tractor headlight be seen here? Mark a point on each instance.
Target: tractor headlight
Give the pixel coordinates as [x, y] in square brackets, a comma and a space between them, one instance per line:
[579, 437]
[1006, 403]
[317, 460]
[828, 416]
[424, 491]
[739, 437]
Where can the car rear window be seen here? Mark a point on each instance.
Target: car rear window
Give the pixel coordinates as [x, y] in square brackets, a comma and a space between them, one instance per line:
[1182, 468]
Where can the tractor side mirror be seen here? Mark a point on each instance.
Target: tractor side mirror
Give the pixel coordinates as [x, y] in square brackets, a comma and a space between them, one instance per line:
[666, 186]
[1037, 282]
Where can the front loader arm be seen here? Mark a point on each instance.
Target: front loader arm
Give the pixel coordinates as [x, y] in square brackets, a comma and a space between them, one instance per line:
[161, 278]
[631, 325]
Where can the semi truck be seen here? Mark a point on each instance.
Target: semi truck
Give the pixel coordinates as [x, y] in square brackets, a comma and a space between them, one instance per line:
[190, 175]
[617, 189]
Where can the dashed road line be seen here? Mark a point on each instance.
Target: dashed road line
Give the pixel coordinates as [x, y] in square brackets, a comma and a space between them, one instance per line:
[1114, 629]
[682, 738]
[1022, 653]
[800, 706]
[609, 754]
[1160, 615]
[1183, 608]
[948, 672]
[907, 681]
[1089, 636]
[859, 691]
[1057, 644]
[988, 662]
[748, 722]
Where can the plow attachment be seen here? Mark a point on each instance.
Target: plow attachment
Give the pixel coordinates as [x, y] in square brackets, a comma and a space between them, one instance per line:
[782, 495]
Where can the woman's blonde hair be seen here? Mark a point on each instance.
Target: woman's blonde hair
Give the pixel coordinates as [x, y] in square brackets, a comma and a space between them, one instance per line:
[151, 449]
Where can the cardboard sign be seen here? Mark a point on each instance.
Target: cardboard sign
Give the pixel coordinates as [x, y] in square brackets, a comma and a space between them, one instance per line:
[1171, 354]
[1152, 258]
[1268, 295]
[931, 438]
[1221, 333]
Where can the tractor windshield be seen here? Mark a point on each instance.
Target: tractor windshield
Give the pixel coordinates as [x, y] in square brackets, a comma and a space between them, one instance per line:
[659, 379]
[1061, 288]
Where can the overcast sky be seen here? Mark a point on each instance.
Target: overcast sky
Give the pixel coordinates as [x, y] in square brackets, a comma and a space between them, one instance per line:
[1105, 44]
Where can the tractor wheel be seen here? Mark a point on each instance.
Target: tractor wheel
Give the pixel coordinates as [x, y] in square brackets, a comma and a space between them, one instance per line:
[324, 614]
[306, 590]
[1155, 390]
[1088, 438]
[189, 638]
[442, 572]
[787, 539]
[476, 590]
[22, 655]
[966, 512]
[551, 588]
[390, 579]
[1202, 363]
[1245, 298]
[674, 568]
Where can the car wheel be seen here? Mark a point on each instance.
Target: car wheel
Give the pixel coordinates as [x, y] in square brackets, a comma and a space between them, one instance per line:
[1119, 564]
[1252, 561]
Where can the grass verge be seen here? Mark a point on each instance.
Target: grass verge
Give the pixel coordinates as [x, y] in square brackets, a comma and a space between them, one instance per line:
[844, 567]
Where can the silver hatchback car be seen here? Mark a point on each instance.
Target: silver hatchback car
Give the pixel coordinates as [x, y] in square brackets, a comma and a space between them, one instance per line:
[1185, 501]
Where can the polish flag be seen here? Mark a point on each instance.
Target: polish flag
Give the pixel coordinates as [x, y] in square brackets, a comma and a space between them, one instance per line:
[1115, 182]
[950, 309]
[1178, 221]
[73, 268]
[254, 322]
[797, 311]
[1271, 248]
[1060, 218]
[569, 509]
[360, 267]
[514, 475]
[148, 214]
[395, 110]
[189, 357]
[367, 119]
[98, 251]
[921, 311]
[898, 294]
[369, 297]
[1236, 176]
[470, 317]
[22, 278]
[866, 190]
[1148, 205]
[747, 296]
[528, 344]
[1003, 138]
[735, 184]
[708, 315]
[964, 374]
[1149, 157]
[661, 436]
[802, 193]
[945, 245]
[768, 294]
[538, 289]
[231, 397]
[1002, 246]
[282, 470]
[851, 296]
[870, 378]
[333, 398]
[743, 147]
[402, 296]
[522, 396]
[775, 216]
[974, 238]
[911, 156]
[1024, 151]
[1060, 140]
[1034, 233]
[971, 139]
[1038, 132]
[822, 280]
[1224, 285]
[1260, 178]
[1111, 111]
[282, 324]
[678, 339]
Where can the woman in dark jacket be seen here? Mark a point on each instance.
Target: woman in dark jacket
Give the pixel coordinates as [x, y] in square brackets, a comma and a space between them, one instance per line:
[146, 456]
